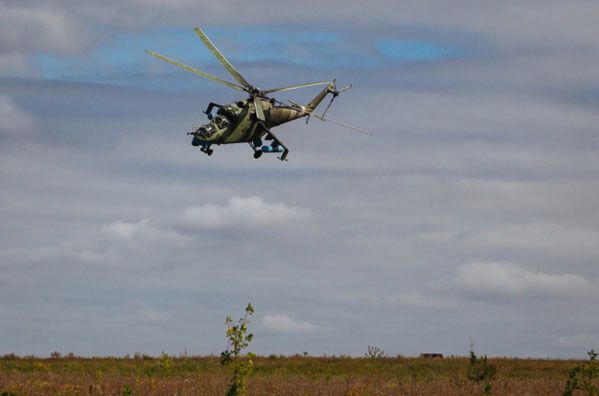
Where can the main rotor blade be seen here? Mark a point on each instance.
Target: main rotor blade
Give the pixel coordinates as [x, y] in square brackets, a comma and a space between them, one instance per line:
[296, 86]
[259, 108]
[221, 58]
[342, 124]
[194, 70]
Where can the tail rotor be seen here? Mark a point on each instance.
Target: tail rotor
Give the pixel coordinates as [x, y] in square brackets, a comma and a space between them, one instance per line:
[335, 93]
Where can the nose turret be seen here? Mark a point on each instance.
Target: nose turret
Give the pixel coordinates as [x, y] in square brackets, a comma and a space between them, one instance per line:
[212, 131]
[205, 132]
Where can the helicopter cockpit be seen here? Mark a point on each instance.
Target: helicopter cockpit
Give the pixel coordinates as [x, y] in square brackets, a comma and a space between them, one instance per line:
[221, 122]
[218, 124]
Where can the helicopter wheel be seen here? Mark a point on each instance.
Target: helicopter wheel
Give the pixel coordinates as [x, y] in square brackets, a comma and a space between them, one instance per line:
[209, 151]
[258, 154]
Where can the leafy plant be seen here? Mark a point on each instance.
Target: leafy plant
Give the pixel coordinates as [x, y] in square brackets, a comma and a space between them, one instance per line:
[480, 370]
[127, 390]
[375, 352]
[166, 363]
[581, 377]
[161, 366]
[238, 338]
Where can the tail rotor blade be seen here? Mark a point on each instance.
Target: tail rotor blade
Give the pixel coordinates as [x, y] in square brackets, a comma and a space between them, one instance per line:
[348, 86]
[335, 94]
[328, 107]
[343, 125]
[194, 70]
[221, 58]
[259, 108]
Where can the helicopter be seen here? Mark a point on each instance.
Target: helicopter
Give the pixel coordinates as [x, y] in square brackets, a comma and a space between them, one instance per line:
[251, 120]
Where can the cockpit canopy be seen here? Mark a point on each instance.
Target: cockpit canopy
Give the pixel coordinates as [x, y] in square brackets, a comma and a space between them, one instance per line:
[206, 131]
[219, 123]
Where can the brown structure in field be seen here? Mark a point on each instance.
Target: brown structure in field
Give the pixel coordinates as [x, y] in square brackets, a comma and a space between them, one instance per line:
[431, 355]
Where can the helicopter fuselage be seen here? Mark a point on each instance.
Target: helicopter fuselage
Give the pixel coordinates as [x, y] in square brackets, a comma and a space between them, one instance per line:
[237, 122]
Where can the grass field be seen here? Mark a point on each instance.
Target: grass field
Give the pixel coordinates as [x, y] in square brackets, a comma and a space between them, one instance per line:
[296, 375]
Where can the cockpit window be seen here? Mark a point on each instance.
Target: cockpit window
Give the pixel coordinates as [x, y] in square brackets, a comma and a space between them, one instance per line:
[212, 114]
[221, 122]
[206, 131]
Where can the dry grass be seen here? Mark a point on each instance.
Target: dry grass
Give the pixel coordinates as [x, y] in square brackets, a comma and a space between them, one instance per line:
[277, 376]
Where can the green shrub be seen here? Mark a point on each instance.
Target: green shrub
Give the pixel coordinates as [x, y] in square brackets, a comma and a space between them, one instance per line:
[127, 390]
[581, 377]
[480, 371]
[238, 339]
[166, 363]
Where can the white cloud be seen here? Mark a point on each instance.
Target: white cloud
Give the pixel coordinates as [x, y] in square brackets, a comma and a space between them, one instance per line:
[508, 281]
[415, 299]
[578, 341]
[579, 16]
[243, 212]
[148, 313]
[542, 236]
[123, 230]
[285, 324]
[13, 119]
[49, 29]
[144, 231]
[61, 252]
[42, 28]
[422, 301]
[239, 212]
[15, 64]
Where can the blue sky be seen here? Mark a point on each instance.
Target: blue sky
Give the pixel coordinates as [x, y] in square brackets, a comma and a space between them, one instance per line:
[122, 59]
[470, 214]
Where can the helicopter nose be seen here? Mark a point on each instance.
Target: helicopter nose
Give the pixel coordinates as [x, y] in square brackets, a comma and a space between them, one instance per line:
[202, 132]
[195, 141]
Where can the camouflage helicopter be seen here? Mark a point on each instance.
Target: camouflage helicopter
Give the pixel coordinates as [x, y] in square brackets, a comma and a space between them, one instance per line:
[251, 120]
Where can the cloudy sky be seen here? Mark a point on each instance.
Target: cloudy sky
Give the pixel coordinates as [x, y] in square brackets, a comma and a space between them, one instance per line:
[471, 214]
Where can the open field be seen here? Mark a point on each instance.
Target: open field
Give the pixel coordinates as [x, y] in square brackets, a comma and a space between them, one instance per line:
[297, 375]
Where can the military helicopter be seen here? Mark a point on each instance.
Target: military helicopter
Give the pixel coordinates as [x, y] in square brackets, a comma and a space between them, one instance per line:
[251, 120]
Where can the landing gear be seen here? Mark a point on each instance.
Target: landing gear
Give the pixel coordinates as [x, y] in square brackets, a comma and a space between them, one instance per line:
[255, 145]
[279, 145]
[275, 147]
[207, 150]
